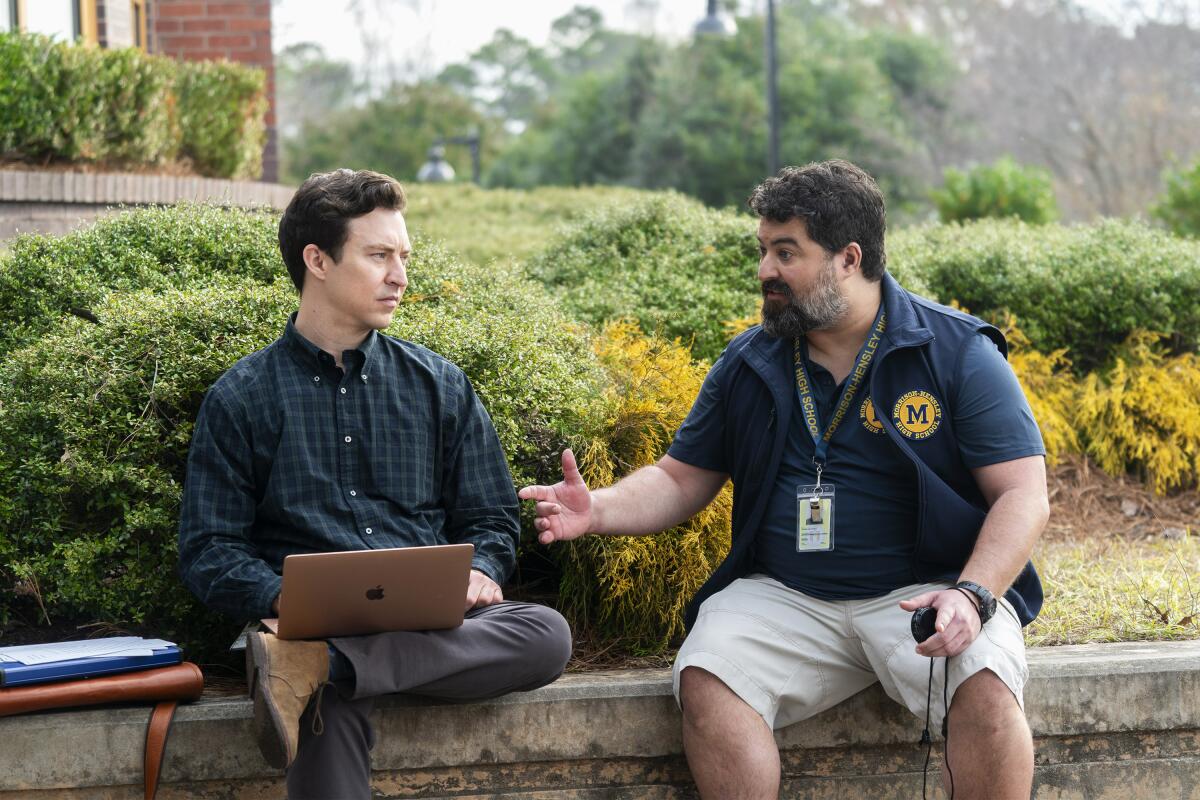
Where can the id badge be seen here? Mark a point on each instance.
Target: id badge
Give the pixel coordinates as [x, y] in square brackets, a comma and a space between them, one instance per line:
[814, 518]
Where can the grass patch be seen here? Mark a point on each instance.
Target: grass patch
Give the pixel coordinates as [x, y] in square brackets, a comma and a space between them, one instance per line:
[1112, 589]
[481, 225]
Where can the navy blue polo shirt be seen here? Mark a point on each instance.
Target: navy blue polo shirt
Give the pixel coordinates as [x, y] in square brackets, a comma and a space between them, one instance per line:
[875, 517]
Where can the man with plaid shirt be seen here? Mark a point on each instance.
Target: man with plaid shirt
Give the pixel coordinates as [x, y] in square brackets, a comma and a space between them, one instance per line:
[337, 437]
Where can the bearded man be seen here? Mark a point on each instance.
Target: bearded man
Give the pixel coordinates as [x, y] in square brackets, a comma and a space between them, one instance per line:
[883, 459]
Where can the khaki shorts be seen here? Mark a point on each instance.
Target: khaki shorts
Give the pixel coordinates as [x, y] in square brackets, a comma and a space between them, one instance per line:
[790, 656]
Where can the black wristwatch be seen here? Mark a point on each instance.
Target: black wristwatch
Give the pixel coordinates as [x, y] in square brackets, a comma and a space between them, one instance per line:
[987, 601]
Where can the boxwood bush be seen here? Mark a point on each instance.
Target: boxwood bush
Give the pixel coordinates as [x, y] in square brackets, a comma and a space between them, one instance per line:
[43, 278]
[67, 102]
[678, 268]
[1083, 288]
[96, 419]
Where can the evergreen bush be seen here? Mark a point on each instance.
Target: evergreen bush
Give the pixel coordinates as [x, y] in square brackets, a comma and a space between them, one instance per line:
[1081, 289]
[222, 117]
[676, 267]
[1003, 189]
[43, 278]
[68, 102]
[1179, 205]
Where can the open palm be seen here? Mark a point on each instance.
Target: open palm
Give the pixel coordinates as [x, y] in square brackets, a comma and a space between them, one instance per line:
[564, 510]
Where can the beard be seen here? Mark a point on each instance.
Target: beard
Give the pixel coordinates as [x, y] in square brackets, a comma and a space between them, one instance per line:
[819, 308]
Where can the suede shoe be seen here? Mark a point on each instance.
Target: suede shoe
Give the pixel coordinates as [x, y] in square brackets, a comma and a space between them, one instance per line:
[283, 676]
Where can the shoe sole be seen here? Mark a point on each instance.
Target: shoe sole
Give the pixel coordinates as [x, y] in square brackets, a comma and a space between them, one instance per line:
[268, 725]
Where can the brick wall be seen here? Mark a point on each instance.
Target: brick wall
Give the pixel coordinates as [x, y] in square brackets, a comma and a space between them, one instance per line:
[197, 30]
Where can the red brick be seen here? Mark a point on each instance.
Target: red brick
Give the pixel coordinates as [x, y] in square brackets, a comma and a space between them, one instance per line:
[166, 9]
[206, 55]
[229, 40]
[167, 26]
[178, 42]
[246, 9]
[250, 25]
[201, 25]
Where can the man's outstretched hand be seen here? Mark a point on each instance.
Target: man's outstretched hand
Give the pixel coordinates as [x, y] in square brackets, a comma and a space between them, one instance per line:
[564, 510]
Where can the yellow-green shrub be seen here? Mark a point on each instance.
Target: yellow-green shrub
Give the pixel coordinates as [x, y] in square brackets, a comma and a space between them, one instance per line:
[1143, 414]
[634, 589]
[1050, 388]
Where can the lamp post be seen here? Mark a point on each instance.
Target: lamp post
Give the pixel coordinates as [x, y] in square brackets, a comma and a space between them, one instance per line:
[716, 24]
[436, 170]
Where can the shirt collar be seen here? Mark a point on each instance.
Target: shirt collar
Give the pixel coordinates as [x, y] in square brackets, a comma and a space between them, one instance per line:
[314, 358]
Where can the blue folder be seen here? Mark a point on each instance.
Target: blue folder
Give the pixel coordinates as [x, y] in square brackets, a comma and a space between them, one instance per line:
[14, 673]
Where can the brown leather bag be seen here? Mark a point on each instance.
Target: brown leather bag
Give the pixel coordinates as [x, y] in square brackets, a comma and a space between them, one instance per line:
[164, 686]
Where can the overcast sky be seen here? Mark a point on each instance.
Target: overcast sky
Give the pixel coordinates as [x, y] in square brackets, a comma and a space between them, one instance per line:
[443, 32]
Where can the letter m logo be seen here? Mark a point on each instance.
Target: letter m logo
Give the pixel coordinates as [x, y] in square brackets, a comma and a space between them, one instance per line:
[917, 415]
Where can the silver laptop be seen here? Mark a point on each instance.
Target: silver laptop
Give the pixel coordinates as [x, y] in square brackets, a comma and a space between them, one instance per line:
[374, 591]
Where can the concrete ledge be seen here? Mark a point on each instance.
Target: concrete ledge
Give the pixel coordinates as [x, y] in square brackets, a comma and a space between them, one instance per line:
[1119, 720]
[33, 201]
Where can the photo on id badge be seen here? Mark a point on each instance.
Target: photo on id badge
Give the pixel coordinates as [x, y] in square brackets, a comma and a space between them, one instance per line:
[814, 518]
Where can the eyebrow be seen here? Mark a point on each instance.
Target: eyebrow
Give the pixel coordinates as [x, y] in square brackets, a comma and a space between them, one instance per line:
[782, 240]
[387, 247]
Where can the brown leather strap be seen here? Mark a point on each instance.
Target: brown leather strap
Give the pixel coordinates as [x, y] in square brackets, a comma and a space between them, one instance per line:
[156, 743]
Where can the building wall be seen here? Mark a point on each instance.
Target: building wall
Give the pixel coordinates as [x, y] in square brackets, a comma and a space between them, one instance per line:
[198, 30]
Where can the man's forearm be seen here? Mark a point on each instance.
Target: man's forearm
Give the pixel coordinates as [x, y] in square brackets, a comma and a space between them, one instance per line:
[1006, 540]
[651, 500]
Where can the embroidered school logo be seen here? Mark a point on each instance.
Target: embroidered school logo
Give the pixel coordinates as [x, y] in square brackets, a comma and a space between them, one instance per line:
[866, 414]
[917, 415]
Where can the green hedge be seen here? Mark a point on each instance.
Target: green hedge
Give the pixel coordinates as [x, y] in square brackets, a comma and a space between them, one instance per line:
[68, 102]
[1003, 189]
[1085, 288]
[680, 269]
[96, 419]
[222, 109]
[43, 278]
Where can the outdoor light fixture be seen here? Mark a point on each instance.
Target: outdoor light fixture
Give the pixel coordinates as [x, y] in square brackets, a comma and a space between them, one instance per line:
[436, 170]
[716, 24]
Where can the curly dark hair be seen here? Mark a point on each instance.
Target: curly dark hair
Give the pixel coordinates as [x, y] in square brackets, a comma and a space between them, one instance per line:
[838, 203]
[321, 210]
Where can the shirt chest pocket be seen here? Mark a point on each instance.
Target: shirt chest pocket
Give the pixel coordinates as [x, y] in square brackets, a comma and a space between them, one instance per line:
[404, 462]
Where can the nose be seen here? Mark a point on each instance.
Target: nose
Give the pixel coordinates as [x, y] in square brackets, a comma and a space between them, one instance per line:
[398, 276]
[767, 269]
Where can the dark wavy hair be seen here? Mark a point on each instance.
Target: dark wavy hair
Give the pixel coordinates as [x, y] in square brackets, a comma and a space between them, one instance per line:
[321, 210]
[838, 203]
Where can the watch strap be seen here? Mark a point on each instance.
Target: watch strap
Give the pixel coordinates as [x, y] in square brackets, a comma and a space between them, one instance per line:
[987, 601]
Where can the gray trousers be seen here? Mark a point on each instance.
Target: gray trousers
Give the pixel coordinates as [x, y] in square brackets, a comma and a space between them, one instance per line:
[507, 647]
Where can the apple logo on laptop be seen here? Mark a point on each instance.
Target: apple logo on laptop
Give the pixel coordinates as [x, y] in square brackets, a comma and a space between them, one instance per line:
[376, 593]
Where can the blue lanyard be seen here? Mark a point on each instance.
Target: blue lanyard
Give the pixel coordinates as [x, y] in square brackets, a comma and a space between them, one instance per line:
[808, 403]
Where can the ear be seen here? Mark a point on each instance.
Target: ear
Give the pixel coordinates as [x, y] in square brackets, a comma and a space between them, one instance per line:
[851, 257]
[317, 261]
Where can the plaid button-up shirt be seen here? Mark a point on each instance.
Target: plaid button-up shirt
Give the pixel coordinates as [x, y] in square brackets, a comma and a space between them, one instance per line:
[292, 455]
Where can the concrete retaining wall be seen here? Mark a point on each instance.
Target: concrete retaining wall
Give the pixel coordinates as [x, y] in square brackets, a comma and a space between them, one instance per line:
[56, 202]
[1110, 721]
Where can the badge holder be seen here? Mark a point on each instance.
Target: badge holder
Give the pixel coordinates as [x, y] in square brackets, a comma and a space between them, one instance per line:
[814, 515]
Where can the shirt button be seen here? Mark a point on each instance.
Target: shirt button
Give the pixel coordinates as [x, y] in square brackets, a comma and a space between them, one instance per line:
[353, 493]
[347, 440]
[364, 377]
[316, 378]
[343, 390]
[368, 531]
